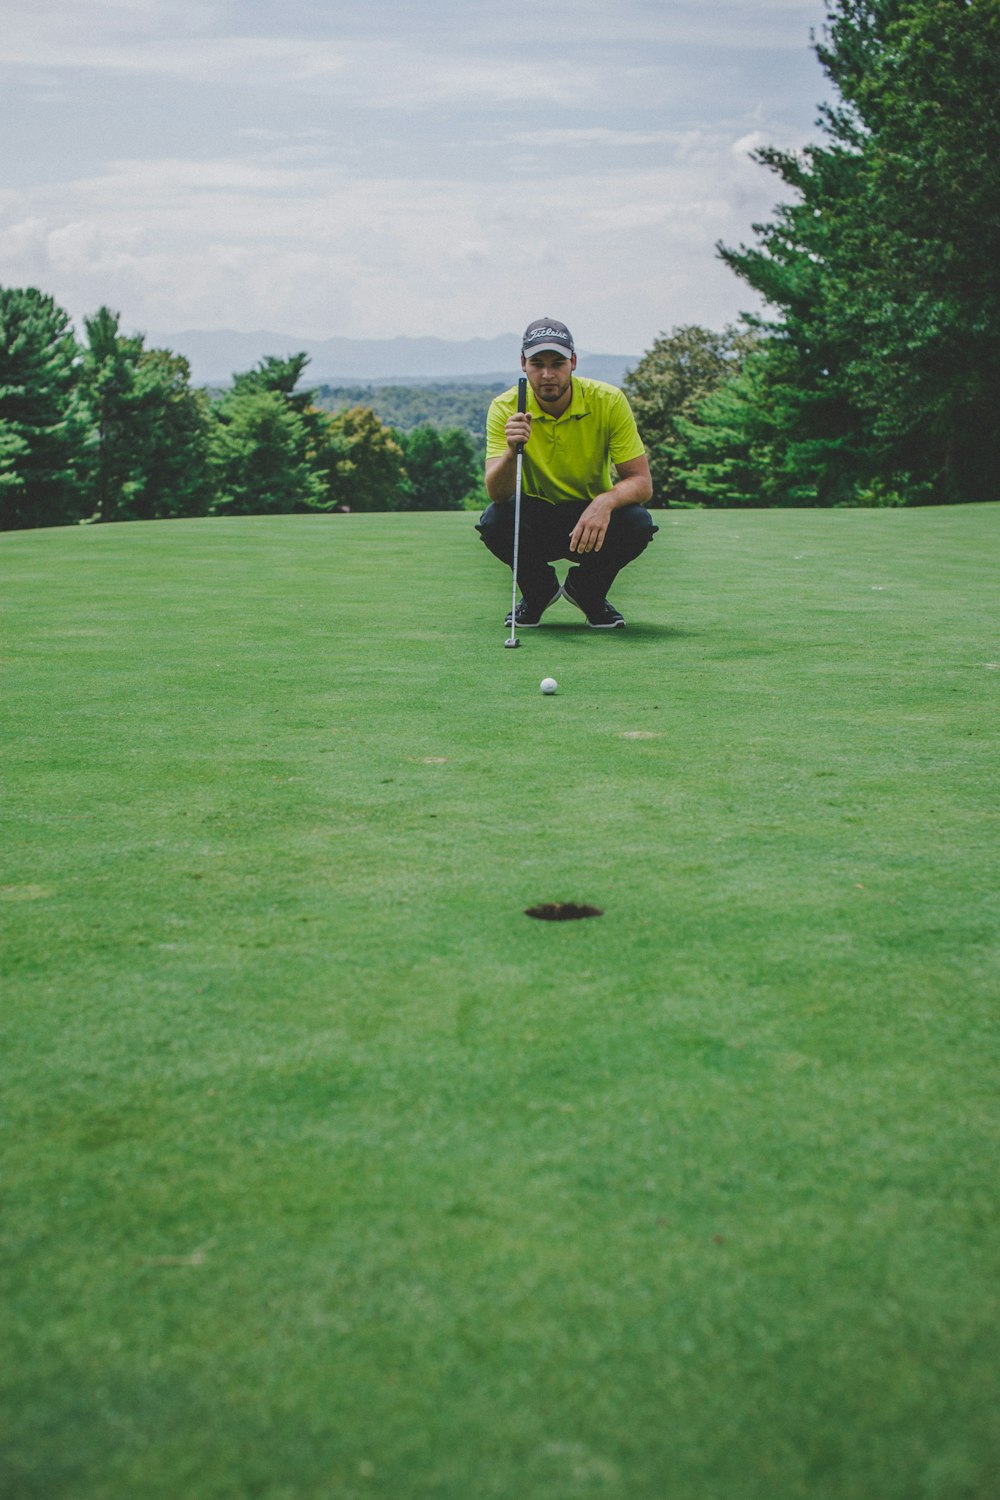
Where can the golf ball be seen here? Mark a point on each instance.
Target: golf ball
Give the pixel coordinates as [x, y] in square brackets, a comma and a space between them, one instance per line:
[548, 685]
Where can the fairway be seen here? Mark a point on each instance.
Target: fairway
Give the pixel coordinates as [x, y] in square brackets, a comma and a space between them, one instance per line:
[329, 1174]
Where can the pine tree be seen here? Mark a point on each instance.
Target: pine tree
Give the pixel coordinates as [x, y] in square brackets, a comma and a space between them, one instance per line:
[883, 272]
[261, 456]
[149, 429]
[171, 473]
[42, 424]
[109, 378]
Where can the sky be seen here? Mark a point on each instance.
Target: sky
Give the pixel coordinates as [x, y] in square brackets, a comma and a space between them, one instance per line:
[451, 168]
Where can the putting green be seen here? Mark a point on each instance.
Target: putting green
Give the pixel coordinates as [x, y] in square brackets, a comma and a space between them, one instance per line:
[330, 1173]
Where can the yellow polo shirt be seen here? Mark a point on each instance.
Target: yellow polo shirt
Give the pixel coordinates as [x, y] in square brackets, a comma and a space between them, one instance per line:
[569, 458]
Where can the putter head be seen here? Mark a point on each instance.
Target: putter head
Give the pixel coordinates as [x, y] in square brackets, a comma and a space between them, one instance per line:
[512, 642]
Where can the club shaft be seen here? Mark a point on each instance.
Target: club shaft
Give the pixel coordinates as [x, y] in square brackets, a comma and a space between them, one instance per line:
[517, 542]
[522, 405]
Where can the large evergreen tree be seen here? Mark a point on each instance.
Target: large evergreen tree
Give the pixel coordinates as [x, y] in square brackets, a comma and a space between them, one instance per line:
[149, 428]
[269, 441]
[272, 373]
[884, 361]
[41, 421]
[172, 477]
[109, 374]
[262, 457]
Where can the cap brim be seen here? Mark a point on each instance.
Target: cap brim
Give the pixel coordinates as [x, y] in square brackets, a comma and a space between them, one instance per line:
[550, 348]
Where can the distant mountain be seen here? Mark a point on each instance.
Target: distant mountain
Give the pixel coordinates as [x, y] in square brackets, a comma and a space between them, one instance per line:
[215, 356]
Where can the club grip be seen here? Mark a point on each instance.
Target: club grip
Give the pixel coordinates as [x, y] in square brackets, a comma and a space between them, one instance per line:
[522, 401]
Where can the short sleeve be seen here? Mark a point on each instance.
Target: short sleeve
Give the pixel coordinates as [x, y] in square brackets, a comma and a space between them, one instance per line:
[496, 425]
[624, 441]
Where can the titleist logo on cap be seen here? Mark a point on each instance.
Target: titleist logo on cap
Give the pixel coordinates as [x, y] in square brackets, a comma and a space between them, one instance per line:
[547, 333]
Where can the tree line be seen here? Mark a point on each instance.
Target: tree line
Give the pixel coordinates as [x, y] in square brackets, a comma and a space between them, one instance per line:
[874, 379]
[109, 430]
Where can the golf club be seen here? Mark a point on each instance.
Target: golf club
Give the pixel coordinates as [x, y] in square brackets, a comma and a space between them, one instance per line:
[522, 403]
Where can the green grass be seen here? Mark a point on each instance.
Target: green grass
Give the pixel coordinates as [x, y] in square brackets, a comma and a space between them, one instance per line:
[330, 1174]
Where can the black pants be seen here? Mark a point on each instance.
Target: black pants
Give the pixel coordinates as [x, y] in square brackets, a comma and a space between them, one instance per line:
[545, 534]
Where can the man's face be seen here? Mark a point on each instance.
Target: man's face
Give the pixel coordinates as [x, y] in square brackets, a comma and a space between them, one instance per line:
[550, 375]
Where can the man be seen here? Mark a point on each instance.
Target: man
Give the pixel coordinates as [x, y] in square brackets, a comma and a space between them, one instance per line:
[574, 429]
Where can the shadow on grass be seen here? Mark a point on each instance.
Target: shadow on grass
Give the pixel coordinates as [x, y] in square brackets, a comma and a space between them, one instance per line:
[643, 630]
[649, 630]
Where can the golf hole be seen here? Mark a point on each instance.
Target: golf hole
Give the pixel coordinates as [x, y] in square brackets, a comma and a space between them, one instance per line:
[562, 911]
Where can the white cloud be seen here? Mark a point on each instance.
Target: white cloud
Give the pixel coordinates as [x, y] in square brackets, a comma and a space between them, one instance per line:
[390, 73]
[397, 169]
[252, 241]
[272, 60]
[393, 55]
[595, 135]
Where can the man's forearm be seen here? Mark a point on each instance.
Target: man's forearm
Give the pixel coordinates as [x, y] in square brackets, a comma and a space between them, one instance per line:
[635, 490]
[630, 489]
[501, 477]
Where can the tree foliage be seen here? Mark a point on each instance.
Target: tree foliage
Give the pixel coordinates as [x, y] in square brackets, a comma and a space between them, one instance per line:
[281, 377]
[174, 478]
[148, 442]
[364, 464]
[109, 368]
[921, 90]
[442, 468]
[112, 431]
[42, 424]
[264, 442]
[261, 458]
[679, 371]
[879, 376]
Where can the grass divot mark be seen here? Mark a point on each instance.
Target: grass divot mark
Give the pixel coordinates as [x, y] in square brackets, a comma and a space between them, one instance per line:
[196, 1258]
